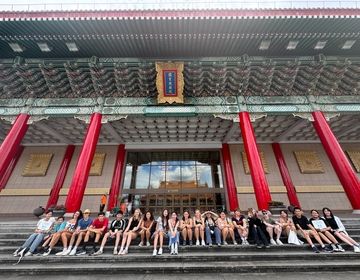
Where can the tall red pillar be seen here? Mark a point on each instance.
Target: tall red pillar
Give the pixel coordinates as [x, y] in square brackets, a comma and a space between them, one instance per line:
[6, 176]
[338, 159]
[79, 180]
[261, 187]
[115, 188]
[60, 177]
[12, 142]
[229, 178]
[285, 175]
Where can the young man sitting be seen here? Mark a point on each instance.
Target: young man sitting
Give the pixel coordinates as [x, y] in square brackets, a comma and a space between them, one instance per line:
[306, 230]
[98, 228]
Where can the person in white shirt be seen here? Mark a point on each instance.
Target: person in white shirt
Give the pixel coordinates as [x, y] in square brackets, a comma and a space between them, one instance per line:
[43, 227]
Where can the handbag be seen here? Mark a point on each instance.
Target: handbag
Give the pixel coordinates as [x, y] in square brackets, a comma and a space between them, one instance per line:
[293, 239]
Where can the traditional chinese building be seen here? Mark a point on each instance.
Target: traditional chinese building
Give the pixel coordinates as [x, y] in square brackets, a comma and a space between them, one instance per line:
[211, 108]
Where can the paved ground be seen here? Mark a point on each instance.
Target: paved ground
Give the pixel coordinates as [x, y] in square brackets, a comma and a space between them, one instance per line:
[257, 276]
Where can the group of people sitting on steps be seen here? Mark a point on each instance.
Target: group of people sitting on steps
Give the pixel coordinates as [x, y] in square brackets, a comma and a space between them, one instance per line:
[259, 227]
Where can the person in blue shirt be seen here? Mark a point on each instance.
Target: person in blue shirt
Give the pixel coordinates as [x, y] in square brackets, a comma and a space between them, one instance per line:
[79, 233]
[59, 225]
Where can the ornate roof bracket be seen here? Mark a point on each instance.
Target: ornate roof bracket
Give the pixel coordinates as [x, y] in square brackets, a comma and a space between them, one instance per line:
[309, 117]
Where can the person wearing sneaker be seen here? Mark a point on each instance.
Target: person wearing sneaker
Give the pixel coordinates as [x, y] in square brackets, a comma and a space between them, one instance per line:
[271, 227]
[116, 230]
[226, 228]
[43, 228]
[256, 229]
[324, 230]
[79, 233]
[160, 232]
[97, 230]
[131, 231]
[286, 224]
[199, 228]
[306, 230]
[173, 233]
[211, 229]
[186, 228]
[339, 229]
[240, 225]
[145, 228]
[59, 225]
[69, 228]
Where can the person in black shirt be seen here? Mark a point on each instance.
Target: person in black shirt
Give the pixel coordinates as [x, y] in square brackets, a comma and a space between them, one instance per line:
[256, 229]
[306, 230]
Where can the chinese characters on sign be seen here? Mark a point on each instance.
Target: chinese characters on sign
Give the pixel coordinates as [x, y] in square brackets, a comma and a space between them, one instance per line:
[170, 82]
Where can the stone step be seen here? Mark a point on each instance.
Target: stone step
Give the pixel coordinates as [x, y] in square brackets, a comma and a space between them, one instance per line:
[138, 267]
[185, 257]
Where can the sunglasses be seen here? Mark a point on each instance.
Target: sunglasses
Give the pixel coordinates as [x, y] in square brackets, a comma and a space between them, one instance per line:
[87, 213]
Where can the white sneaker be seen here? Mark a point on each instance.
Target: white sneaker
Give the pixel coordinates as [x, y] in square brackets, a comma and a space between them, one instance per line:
[356, 249]
[47, 252]
[160, 251]
[203, 243]
[124, 252]
[340, 248]
[245, 242]
[234, 242]
[141, 244]
[121, 250]
[67, 252]
[28, 254]
[278, 241]
[73, 252]
[197, 243]
[147, 243]
[154, 252]
[272, 242]
[225, 243]
[115, 252]
[98, 252]
[21, 253]
[176, 249]
[15, 254]
[61, 253]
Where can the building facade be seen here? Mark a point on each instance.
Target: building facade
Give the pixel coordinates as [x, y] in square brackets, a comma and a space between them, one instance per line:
[270, 108]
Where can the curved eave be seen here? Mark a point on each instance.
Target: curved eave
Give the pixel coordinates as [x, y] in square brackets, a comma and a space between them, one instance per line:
[191, 14]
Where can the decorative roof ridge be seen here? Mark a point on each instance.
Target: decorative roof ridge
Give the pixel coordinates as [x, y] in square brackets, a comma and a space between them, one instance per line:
[182, 14]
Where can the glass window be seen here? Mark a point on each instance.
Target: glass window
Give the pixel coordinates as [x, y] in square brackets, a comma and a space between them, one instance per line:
[128, 174]
[142, 177]
[173, 177]
[157, 177]
[188, 177]
[204, 176]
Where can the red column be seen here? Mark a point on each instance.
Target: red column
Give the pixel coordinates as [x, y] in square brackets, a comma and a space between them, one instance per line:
[79, 180]
[60, 177]
[6, 176]
[338, 159]
[229, 178]
[261, 187]
[117, 176]
[285, 175]
[12, 141]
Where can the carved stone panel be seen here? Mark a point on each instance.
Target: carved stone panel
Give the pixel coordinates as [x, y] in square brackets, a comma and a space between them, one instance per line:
[262, 158]
[309, 162]
[97, 164]
[37, 165]
[355, 159]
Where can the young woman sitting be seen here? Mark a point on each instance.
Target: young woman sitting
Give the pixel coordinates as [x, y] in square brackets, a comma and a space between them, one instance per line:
[160, 231]
[146, 226]
[173, 233]
[186, 228]
[339, 229]
[226, 228]
[271, 228]
[131, 231]
[255, 229]
[211, 228]
[199, 228]
[240, 225]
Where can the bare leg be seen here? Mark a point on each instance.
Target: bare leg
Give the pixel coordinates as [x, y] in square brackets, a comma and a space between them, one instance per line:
[156, 237]
[184, 234]
[232, 235]
[103, 242]
[317, 238]
[117, 240]
[270, 230]
[147, 234]
[196, 231]
[225, 233]
[202, 233]
[80, 238]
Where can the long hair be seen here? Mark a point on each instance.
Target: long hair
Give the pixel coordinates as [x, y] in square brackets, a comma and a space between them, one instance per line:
[186, 211]
[328, 209]
[151, 216]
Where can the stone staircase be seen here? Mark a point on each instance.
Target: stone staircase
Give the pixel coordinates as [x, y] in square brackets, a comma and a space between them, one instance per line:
[195, 259]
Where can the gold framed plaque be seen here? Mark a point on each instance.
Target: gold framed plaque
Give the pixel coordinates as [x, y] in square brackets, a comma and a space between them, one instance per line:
[309, 162]
[97, 164]
[37, 165]
[263, 161]
[354, 157]
[170, 82]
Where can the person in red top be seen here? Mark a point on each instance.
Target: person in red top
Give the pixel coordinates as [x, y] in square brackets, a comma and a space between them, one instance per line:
[98, 228]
